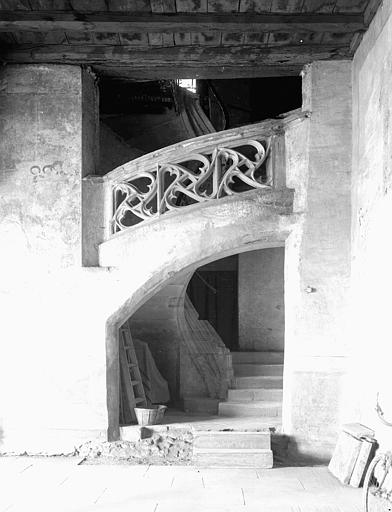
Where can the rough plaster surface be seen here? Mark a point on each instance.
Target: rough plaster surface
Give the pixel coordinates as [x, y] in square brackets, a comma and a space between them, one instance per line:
[61, 361]
[261, 300]
[371, 234]
[317, 264]
[52, 365]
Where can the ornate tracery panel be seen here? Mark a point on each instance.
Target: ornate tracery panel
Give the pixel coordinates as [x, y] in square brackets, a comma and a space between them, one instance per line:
[195, 178]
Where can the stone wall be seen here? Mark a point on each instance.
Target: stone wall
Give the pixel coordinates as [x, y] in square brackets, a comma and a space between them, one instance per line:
[59, 329]
[371, 233]
[52, 364]
[317, 262]
[261, 300]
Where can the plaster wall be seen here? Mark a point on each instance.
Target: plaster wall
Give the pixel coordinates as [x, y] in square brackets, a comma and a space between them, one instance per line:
[52, 366]
[59, 329]
[261, 300]
[59, 366]
[371, 233]
[317, 262]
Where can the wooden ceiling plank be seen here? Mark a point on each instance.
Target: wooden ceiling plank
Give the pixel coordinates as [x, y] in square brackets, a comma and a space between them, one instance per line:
[223, 5]
[34, 21]
[155, 39]
[168, 39]
[106, 38]
[355, 42]
[134, 39]
[169, 5]
[256, 38]
[206, 38]
[287, 5]
[156, 6]
[331, 38]
[182, 39]
[319, 6]
[255, 5]
[88, 5]
[191, 5]
[7, 38]
[281, 39]
[230, 38]
[14, 5]
[79, 37]
[129, 5]
[47, 5]
[309, 37]
[368, 15]
[371, 10]
[351, 6]
[40, 38]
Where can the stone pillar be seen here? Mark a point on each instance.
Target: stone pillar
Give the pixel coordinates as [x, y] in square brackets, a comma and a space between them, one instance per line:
[52, 374]
[318, 266]
[261, 300]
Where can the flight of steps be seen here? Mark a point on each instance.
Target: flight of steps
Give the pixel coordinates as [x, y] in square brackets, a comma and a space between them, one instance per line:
[232, 449]
[256, 396]
[258, 387]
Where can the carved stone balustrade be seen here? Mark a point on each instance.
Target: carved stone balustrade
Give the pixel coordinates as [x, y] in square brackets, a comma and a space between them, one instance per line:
[202, 169]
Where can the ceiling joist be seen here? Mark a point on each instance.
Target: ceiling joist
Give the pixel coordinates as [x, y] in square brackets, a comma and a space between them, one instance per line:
[177, 61]
[46, 21]
[174, 55]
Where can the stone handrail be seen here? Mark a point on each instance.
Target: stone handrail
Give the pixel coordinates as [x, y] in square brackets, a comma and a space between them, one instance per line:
[196, 170]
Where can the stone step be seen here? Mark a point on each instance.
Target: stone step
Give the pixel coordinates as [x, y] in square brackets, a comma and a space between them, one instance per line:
[233, 458]
[210, 440]
[236, 409]
[201, 404]
[265, 382]
[250, 395]
[258, 357]
[254, 369]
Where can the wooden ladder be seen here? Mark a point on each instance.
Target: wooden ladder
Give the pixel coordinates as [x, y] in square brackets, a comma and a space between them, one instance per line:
[131, 385]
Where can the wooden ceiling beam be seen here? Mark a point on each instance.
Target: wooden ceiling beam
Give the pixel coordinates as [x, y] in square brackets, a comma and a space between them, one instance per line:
[207, 72]
[175, 57]
[45, 21]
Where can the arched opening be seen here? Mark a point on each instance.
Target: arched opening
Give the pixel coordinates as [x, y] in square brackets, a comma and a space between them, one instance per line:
[190, 356]
[179, 281]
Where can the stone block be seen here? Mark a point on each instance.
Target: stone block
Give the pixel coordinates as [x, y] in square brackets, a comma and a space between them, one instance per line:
[254, 369]
[258, 382]
[232, 440]
[260, 409]
[258, 357]
[262, 459]
[250, 395]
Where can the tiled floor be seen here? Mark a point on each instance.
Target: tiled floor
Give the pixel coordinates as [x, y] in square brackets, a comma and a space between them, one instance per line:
[60, 484]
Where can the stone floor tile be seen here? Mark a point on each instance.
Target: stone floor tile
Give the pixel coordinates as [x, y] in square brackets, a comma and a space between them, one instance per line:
[57, 485]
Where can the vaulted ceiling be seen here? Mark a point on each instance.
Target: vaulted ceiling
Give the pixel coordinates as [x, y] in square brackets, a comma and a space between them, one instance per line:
[183, 38]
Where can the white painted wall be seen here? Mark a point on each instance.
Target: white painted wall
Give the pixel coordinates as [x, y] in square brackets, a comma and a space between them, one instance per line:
[318, 258]
[371, 226]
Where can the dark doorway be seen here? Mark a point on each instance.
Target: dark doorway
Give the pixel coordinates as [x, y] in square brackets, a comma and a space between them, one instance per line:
[213, 291]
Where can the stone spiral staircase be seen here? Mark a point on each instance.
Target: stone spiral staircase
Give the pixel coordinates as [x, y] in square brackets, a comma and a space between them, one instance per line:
[256, 396]
[257, 388]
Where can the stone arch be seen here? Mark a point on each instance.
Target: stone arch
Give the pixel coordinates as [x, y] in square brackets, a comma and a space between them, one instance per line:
[152, 254]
